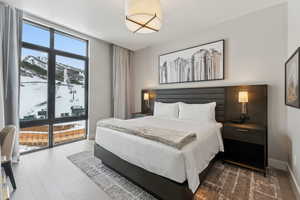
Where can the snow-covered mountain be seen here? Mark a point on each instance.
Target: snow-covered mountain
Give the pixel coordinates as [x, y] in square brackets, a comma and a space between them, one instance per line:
[70, 89]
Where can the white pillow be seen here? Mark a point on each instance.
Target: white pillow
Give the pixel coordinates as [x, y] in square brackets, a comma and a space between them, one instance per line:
[197, 112]
[166, 110]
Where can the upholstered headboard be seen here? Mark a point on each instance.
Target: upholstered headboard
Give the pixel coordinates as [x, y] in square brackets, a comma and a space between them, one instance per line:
[226, 97]
[193, 96]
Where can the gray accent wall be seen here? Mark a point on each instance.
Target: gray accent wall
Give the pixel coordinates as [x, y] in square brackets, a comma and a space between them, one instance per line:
[255, 54]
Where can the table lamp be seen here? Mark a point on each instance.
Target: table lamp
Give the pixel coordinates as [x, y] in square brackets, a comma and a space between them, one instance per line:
[243, 99]
[147, 100]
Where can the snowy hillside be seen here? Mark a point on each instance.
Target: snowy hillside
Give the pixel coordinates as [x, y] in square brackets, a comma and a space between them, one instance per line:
[34, 89]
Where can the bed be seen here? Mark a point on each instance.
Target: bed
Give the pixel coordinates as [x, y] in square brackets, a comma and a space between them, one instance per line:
[163, 160]
[166, 172]
[159, 158]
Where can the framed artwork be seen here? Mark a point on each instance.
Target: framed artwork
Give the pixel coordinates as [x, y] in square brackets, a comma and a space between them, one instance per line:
[200, 63]
[292, 74]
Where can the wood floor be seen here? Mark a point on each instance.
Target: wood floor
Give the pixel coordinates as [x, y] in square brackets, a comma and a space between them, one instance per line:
[49, 175]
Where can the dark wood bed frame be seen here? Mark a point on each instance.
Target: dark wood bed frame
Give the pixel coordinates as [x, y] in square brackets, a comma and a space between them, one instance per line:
[158, 186]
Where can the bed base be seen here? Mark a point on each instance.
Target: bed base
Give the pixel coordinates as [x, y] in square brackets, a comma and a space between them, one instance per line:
[160, 187]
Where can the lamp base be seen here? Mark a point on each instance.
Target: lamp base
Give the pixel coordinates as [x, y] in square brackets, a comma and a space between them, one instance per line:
[244, 118]
[147, 107]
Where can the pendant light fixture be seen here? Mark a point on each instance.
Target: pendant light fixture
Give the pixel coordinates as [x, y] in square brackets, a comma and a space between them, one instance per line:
[143, 16]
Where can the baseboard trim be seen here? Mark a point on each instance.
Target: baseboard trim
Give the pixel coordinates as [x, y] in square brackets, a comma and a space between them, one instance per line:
[278, 164]
[294, 184]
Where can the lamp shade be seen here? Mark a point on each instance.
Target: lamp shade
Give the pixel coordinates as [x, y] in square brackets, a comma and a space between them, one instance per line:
[243, 97]
[143, 16]
[146, 96]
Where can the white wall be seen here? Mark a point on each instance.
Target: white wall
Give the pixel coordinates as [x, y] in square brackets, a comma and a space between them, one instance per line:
[100, 65]
[255, 53]
[293, 114]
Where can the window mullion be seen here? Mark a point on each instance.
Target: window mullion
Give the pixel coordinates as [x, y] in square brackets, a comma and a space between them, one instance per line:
[51, 88]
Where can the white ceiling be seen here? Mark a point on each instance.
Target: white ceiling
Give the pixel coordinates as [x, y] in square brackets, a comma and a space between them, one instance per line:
[104, 19]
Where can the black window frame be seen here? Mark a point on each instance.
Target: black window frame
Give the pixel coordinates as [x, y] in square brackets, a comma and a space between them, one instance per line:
[52, 53]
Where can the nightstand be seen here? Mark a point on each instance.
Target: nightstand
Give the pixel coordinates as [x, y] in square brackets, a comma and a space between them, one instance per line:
[139, 114]
[246, 146]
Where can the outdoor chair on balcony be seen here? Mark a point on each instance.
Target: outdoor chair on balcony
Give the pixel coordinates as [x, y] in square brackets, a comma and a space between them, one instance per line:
[7, 138]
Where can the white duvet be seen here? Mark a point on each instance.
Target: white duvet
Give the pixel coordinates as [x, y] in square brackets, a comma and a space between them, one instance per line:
[166, 161]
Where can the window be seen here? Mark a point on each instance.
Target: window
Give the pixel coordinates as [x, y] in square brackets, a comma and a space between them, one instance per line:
[66, 132]
[36, 35]
[53, 87]
[70, 44]
[33, 138]
[33, 85]
[69, 87]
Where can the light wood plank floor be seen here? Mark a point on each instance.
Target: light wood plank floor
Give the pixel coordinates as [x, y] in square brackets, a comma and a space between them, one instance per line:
[49, 175]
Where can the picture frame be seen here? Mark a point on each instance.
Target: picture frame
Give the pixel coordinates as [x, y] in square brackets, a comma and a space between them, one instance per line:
[292, 80]
[205, 62]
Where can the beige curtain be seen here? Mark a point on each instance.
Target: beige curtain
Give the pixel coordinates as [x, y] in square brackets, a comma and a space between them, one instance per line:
[1, 84]
[10, 29]
[122, 76]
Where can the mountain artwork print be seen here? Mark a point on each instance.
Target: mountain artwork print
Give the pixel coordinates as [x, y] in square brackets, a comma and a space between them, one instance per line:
[200, 63]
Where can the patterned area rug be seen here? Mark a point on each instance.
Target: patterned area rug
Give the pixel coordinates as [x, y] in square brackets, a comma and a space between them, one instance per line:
[224, 182]
[228, 182]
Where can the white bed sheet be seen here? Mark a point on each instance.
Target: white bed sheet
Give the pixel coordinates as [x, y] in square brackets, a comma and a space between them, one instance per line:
[161, 159]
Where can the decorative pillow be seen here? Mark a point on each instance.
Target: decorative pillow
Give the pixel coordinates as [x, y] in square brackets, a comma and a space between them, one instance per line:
[166, 110]
[197, 112]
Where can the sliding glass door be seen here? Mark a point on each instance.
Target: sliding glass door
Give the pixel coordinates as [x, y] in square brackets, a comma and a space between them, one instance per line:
[53, 87]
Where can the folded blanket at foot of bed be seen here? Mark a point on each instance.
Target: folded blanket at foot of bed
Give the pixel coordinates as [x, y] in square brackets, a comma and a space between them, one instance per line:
[170, 137]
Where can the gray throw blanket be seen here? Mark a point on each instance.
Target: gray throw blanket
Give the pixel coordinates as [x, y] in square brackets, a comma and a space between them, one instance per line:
[173, 138]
